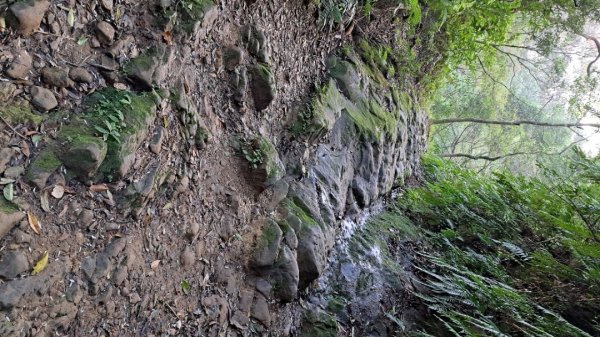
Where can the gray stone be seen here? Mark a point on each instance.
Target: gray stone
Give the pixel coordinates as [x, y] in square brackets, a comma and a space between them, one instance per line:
[26, 15]
[232, 57]
[6, 91]
[260, 310]
[79, 74]
[13, 264]
[9, 216]
[105, 32]
[57, 77]
[188, 257]
[14, 172]
[239, 82]
[43, 98]
[257, 43]
[157, 139]
[286, 275]
[268, 245]
[264, 287]
[20, 67]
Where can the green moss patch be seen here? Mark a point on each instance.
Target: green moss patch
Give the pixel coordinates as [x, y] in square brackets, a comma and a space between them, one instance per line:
[7, 207]
[318, 325]
[20, 114]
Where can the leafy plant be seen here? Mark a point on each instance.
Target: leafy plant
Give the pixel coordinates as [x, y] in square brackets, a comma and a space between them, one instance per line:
[253, 153]
[110, 113]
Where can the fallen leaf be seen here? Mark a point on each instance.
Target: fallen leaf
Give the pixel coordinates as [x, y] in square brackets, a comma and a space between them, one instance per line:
[185, 286]
[41, 264]
[165, 122]
[30, 133]
[82, 40]
[58, 191]
[2, 24]
[34, 223]
[154, 264]
[9, 192]
[4, 181]
[71, 18]
[35, 139]
[167, 37]
[25, 148]
[44, 201]
[99, 188]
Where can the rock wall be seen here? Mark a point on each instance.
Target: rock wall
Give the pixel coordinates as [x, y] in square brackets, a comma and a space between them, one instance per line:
[371, 134]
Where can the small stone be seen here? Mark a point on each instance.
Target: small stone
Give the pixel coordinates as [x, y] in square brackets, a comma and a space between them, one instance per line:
[79, 74]
[86, 218]
[188, 257]
[193, 229]
[57, 77]
[27, 15]
[232, 56]
[260, 310]
[107, 4]
[20, 67]
[13, 264]
[264, 287]
[135, 298]
[9, 217]
[43, 98]
[120, 275]
[22, 237]
[106, 32]
[14, 172]
[157, 139]
[240, 320]
[7, 89]
[5, 156]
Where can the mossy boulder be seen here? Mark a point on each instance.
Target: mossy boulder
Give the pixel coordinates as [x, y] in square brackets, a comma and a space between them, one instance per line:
[138, 112]
[87, 148]
[320, 115]
[262, 86]
[266, 166]
[80, 150]
[267, 246]
[42, 167]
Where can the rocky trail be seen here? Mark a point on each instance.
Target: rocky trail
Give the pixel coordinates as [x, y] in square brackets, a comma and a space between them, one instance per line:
[183, 167]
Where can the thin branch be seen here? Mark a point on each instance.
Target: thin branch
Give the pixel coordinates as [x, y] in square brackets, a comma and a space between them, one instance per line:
[513, 123]
[13, 129]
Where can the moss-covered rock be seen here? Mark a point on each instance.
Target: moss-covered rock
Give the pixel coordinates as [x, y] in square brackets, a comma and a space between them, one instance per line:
[318, 324]
[138, 112]
[9, 216]
[267, 167]
[262, 86]
[320, 115]
[20, 114]
[42, 167]
[143, 70]
[80, 150]
[267, 245]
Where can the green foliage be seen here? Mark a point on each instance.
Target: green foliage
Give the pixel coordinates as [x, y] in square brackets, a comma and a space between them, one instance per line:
[504, 255]
[110, 112]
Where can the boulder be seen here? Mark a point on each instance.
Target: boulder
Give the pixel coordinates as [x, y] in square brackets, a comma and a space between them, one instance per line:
[43, 98]
[56, 77]
[25, 16]
[267, 246]
[262, 86]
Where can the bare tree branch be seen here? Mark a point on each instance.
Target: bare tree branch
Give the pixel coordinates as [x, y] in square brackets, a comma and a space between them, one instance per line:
[512, 123]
